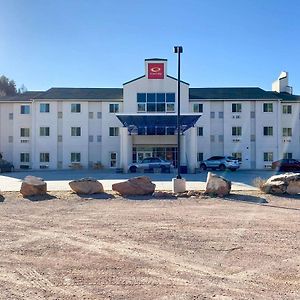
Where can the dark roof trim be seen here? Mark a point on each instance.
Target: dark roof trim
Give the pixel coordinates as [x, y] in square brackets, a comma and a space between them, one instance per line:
[134, 79]
[176, 79]
[157, 59]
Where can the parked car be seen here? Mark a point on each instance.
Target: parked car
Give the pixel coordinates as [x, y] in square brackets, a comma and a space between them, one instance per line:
[286, 165]
[151, 163]
[220, 162]
[6, 166]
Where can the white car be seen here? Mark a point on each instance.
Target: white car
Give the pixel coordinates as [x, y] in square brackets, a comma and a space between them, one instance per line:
[150, 163]
[221, 163]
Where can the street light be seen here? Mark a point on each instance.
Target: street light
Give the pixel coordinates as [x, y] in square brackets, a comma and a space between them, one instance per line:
[178, 49]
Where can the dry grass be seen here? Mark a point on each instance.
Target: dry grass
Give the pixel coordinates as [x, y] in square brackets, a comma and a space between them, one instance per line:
[259, 182]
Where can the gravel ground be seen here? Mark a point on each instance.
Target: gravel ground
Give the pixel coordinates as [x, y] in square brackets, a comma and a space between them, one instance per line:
[64, 246]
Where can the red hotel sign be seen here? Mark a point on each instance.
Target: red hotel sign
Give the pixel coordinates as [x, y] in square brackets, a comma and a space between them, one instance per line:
[156, 71]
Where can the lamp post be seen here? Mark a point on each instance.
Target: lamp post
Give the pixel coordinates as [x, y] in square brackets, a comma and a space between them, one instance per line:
[178, 50]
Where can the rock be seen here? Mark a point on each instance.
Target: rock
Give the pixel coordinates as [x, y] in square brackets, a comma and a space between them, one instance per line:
[135, 186]
[217, 185]
[32, 186]
[283, 183]
[86, 186]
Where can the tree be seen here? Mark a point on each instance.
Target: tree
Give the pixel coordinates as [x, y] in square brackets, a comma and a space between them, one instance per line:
[7, 86]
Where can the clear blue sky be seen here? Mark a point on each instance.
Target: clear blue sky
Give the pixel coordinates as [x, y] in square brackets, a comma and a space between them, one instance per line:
[97, 43]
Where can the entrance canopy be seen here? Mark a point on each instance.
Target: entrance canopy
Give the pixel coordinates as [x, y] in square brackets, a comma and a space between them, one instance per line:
[157, 124]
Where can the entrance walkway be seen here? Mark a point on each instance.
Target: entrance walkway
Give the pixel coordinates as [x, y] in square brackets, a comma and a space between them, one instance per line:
[58, 180]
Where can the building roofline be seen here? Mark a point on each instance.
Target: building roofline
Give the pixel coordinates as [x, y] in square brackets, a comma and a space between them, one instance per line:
[137, 78]
[157, 59]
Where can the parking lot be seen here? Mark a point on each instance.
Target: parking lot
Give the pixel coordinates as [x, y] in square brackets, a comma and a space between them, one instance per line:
[58, 179]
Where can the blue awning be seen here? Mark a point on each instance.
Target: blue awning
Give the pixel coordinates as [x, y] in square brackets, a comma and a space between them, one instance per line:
[157, 124]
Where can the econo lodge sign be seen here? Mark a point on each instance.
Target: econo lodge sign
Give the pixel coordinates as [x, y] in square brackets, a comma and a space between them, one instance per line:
[156, 71]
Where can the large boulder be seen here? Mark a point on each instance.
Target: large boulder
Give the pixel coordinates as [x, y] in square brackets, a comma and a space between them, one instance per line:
[135, 186]
[86, 186]
[217, 185]
[32, 186]
[283, 183]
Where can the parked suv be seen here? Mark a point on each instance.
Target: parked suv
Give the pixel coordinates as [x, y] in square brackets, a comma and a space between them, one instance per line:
[5, 166]
[151, 163]
[220, 162]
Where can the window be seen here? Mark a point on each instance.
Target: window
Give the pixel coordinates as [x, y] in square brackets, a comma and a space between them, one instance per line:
[59, 138]
[99, 115]
[212, 138]
[44, 107]
[268, 131]
[59, 114]
[252, 114]
[75, 157]
[286, 131]
[75, 107]
[268, 156]
[99, 138]
[44, 157]
[113, 159]
[75, 131]
[155, 102]
[268, 107]
[24, 132]
[236, 131]
[236, 107]
[252, 138]
[113, 108]
[221, 138]
[10, 139]
[237, 155]
[287, 109]
[25, 109]
[91, 115]
[212, 114]
[44, 131]
[24, 157]
[198, 107]
[221, 115]
[287, 155]
[91, 138]
[200, 156]
[113, 131]
[10, 116]
[200, 131]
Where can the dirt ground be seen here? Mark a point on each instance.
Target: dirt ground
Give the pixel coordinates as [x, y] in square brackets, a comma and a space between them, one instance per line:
[64, 246]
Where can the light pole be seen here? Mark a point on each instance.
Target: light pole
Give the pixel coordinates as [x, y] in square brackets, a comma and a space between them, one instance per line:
[178, 49]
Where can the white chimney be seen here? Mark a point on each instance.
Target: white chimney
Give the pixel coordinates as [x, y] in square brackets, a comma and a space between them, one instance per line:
[281, 85]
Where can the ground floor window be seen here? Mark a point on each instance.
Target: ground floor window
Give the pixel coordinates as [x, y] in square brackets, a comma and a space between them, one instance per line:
[268, 156]
[24, 157]
[287, 155]
[113, 159]
[200, 156]
[237, 155]
[44, 157]
[75, 157]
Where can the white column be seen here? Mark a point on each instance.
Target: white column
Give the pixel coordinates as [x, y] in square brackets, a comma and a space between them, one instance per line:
[192, 149]
[125, 148]
[34, 157]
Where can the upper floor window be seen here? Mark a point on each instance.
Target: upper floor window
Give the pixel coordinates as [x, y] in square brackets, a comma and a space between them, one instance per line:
[236, 131]
[24, 132]
[236, 107]
[44, 131]
[287, 109]
[200, 131]
[25, 109]
[156, 102]
[198, 107]
[75, 107]
[268, 156]
[268, 107]
[268, 130]
[286, 131]
[44, 107]
[44, 157]
[24, 157]
[75, 131]
[113, 108]
[113, 131]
